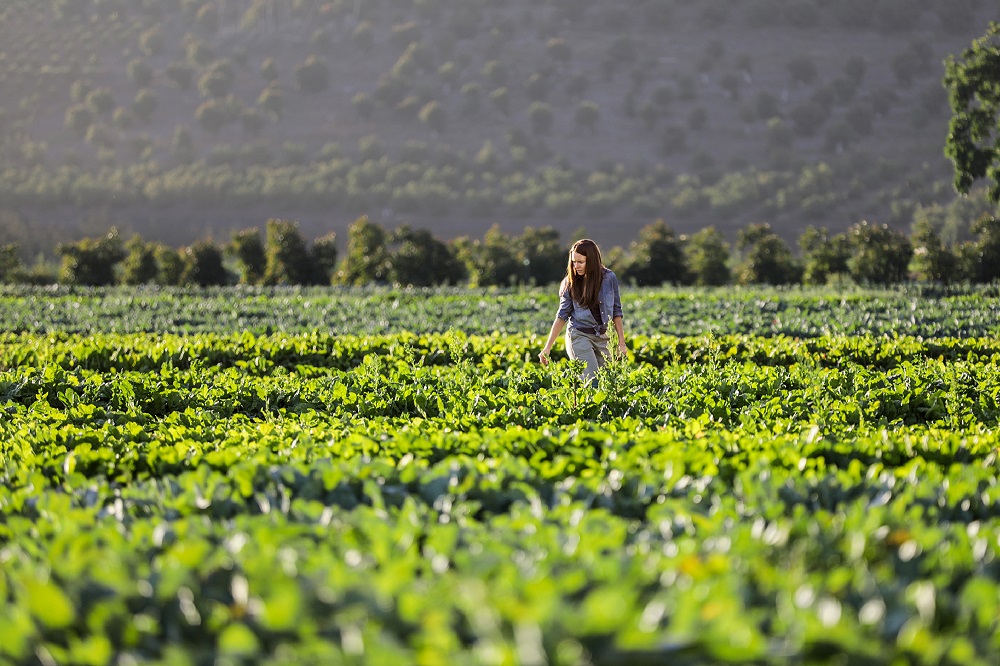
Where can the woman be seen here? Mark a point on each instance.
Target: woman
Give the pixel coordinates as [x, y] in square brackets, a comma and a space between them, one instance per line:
[588, 298]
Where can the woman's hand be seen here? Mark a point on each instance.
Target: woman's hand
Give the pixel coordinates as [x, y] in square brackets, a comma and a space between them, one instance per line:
[622, 349]
[543, 357]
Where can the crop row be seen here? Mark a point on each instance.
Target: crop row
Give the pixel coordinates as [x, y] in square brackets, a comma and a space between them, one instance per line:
[925, 312]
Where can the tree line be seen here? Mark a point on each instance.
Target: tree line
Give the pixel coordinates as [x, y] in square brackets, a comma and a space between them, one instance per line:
[866, 254]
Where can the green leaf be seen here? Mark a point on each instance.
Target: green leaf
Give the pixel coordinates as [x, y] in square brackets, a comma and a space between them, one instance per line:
[50, 605]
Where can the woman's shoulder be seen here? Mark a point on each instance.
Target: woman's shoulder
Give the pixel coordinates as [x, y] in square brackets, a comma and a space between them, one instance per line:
[563, 286]
[608, 273]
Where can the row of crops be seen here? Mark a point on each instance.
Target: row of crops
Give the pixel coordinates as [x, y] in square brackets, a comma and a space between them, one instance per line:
[770, 477]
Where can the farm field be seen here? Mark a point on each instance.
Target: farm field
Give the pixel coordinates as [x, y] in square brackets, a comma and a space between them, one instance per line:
[385, 476]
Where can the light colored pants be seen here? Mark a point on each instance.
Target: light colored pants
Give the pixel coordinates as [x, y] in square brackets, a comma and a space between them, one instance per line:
[592, 349]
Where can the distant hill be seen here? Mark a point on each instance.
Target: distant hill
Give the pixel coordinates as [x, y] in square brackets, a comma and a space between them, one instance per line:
[181, 118]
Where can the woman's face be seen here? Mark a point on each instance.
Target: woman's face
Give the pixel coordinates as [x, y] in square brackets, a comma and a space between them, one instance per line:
[579, 263]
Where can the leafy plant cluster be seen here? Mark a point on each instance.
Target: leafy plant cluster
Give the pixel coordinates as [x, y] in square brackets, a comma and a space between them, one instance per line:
[794, 313]
[441, 498]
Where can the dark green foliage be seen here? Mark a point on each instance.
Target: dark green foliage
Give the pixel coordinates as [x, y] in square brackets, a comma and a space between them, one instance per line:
[706, 258]
[203, 265]
[366, 260]
[879, 255]
[171, 263]
[932, 261]
[824, 255]
[251, 259]
[433, 116]
[287, 256]
[139, 265]
[10, 262]
[492, 261]
[767, 259]
[91, 262]
[543, 256]
[973, 83]
[313, 75]
[323, 255]
[416, 258]
[656, 257]
[980, 260]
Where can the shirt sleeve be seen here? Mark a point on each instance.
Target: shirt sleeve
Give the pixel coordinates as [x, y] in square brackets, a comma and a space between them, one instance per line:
[565, 302]
[616, 307]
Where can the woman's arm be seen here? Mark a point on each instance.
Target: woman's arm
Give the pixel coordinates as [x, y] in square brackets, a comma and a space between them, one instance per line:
[557, 327]
[620, 330]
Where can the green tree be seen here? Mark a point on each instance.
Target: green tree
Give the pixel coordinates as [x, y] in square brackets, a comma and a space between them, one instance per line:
[586, 115]
[367, 258]
[287, 257]
[432, 114]
[979, 261]
[879, 255]
[248, 250]
[313, 75]
[823, 255]
[767, 258]
[543, 257]
[932, 261]
[418, 258]
[491, 261]
[323, 255]
[139, 266]
[170, 262]
[203, 265]
[91, 262]
[540, 115]
[656, 257]
[973, 142]
[706, 255]
[10, 262]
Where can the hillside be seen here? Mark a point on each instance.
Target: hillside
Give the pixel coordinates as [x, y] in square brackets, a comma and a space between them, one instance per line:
[185, 118]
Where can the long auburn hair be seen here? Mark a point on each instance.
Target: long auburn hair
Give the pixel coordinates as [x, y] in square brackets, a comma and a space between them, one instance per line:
[585, 289]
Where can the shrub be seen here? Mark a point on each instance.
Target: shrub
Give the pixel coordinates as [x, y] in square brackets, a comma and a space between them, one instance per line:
[151, 41]
[879, 255]
[823, 255]
[253, 122]
[323, 255]
[139, 72]
[180, 75]
[144, 105]
[313, 75]
[541, 117]
[541, 254]
[417, 258]
[272, 100]
[706, 257]
[367, 258]
[433, 116]
[802, 70]
[656, 257]
[100, 101]
[203, 265]
[91, 262]
[211, 116]
[269, 69]
[139, 265]
[767, 259]
[287, 260]
[932, 261]
[79, 118]
[586, 115]
[491, 261]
